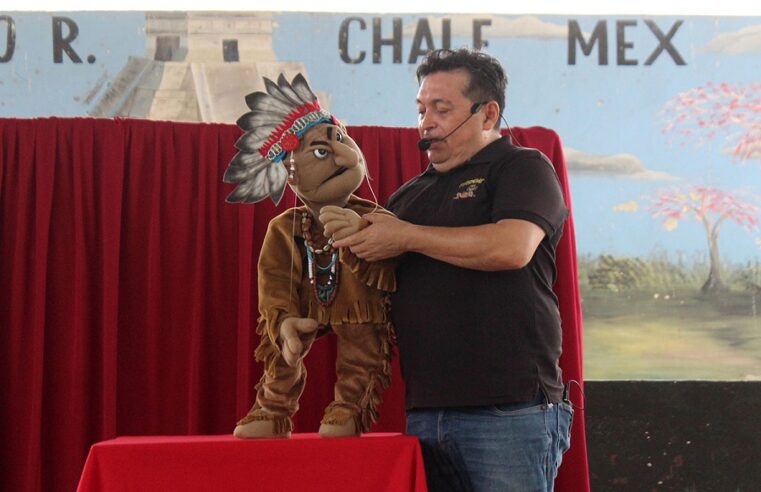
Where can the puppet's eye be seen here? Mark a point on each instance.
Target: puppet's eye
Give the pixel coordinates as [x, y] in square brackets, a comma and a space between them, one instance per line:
[321, 153]
[339, 136]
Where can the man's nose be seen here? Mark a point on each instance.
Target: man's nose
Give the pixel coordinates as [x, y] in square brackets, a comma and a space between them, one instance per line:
[425, 123]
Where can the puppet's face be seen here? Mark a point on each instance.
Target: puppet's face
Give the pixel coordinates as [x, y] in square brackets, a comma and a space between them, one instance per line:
[329, 166]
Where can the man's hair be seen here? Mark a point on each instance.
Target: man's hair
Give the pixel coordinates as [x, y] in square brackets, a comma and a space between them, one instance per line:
[488, 81]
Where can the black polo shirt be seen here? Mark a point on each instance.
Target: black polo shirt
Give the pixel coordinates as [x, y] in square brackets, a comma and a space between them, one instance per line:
[468, 337]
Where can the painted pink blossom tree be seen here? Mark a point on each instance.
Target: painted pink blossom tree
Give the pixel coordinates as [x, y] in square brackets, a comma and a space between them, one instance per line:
[711, 207]
[709, 111]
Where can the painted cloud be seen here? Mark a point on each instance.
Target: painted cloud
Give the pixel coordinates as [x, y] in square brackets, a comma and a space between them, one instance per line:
[746, 40]
[501, 26]
[625, 166]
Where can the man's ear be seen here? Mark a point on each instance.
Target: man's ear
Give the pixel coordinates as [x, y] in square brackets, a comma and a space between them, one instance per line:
[491, 115]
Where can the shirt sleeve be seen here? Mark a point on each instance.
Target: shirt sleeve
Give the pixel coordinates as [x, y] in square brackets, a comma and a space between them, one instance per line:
[528, 188]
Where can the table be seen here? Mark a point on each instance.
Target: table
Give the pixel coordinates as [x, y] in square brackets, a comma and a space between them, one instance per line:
[306, 462]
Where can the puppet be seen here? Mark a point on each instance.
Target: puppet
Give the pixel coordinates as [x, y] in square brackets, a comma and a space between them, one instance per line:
[306, 287]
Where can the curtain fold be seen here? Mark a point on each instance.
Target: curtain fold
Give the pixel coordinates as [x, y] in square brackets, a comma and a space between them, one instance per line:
[128, 289]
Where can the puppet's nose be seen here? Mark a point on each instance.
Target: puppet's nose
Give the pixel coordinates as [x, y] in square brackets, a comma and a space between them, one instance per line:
[345, 156]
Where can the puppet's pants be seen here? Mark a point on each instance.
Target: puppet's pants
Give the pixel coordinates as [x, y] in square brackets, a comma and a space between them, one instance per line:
[363, 370]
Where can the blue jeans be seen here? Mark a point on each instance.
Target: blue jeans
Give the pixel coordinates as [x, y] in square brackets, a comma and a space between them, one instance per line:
[515, 447]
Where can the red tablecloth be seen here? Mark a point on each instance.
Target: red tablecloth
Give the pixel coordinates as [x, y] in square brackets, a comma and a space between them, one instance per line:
[373, 462]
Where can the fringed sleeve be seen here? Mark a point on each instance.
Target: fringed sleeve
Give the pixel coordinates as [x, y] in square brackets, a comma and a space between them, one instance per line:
[357, 307]
[279, 279]
[379, 275]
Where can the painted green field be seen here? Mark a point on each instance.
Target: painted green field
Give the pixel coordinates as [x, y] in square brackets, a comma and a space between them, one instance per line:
[638, 335]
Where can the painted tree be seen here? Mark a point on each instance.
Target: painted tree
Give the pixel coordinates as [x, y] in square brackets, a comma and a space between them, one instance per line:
[713, 110]
[711, 207]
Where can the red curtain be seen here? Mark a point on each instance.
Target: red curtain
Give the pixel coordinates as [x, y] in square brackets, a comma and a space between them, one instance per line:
[128, 289]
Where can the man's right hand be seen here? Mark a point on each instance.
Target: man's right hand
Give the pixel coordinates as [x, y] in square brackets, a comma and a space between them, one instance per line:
[292, 330]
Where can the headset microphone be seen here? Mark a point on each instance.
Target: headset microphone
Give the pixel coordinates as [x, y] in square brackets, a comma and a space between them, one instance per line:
[425, 143]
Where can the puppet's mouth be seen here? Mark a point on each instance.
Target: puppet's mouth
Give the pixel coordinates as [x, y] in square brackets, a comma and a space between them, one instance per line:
[338, 172]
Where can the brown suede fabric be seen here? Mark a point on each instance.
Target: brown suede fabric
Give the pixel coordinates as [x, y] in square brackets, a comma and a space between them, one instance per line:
[358, 316]
[363, 367]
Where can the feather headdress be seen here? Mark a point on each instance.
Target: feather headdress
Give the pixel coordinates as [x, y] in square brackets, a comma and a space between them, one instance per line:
[274, 127]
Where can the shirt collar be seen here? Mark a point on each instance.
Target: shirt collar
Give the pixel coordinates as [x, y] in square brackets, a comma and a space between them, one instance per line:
[487, 154]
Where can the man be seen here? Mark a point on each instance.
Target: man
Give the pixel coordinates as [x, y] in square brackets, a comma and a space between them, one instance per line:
[477, 322]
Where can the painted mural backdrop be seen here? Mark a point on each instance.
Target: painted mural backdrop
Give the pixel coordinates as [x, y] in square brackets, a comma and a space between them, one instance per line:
[660, 118]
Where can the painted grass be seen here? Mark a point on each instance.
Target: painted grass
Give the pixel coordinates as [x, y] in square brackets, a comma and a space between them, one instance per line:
[671, 336]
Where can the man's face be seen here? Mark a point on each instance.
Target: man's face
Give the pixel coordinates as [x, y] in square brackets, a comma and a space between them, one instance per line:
[329, 166]
[442, 105]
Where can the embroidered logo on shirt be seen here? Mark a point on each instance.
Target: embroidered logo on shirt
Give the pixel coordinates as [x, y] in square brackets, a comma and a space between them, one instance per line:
[467, 189]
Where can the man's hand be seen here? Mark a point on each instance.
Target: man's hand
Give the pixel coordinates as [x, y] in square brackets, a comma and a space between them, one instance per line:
[340, 222]
[292, 331]
[384, 238]
[507, 245]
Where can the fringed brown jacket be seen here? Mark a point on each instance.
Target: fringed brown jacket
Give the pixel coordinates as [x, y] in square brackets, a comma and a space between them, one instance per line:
[284, 289]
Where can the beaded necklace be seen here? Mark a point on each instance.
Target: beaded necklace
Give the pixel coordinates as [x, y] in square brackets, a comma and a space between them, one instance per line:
[324, 291]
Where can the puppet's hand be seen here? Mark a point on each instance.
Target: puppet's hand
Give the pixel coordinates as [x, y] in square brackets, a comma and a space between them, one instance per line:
[340, 222]
[292, 333]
